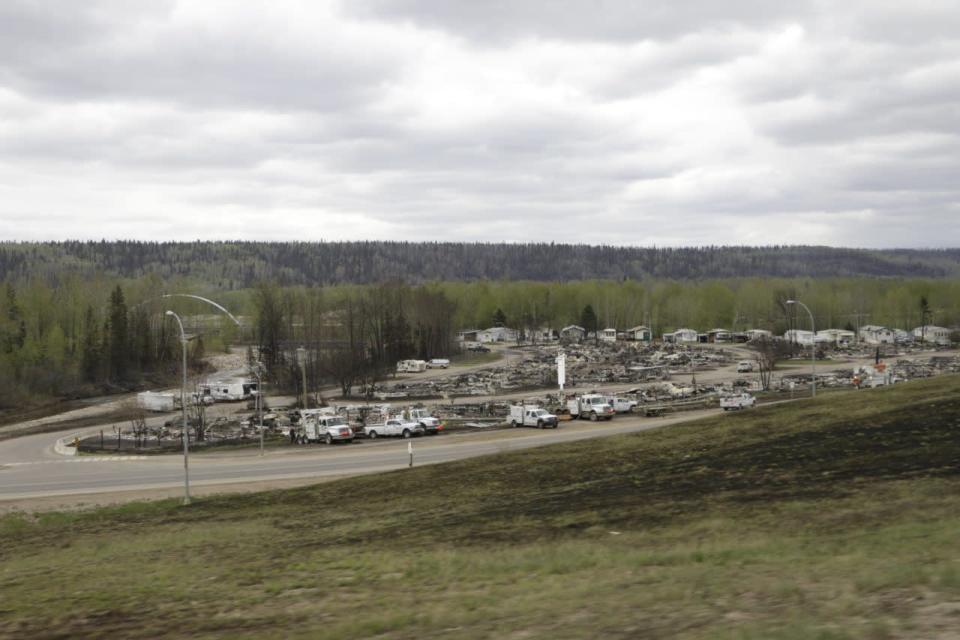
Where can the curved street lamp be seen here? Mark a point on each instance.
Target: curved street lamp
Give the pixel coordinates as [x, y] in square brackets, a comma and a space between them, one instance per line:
[813, 346]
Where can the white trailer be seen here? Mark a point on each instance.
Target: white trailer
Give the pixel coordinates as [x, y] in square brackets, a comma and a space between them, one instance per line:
[411, 366]
[229, 390]
[150, 401]
[590, 406]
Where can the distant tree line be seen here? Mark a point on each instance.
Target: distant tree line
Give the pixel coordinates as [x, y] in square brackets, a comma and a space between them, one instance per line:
[71, 335]
[241, 265]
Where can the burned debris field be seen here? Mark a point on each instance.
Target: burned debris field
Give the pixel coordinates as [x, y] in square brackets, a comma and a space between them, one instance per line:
[832, 518]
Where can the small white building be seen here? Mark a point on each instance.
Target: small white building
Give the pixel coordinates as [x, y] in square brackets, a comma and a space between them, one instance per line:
[838, 337]
[719, 335]
[758, 334]
[933, 333]
[573, 333]
[543, 334]
[608, 335]
[875, 334]
[498, 334]
[467, 335]
[681, 335]
[640, 333]
[799, 336]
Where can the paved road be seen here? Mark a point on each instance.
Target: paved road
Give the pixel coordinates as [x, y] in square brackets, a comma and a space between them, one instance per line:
[45, 474]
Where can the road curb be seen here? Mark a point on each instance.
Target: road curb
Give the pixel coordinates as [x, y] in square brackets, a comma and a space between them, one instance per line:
[62, 448]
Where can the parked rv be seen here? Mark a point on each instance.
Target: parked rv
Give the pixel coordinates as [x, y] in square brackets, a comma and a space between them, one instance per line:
[229, 390]
[592, 406]
[411, 366]
[530, 416]
[150, 401]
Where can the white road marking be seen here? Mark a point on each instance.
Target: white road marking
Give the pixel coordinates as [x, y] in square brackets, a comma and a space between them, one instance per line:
[81, 459]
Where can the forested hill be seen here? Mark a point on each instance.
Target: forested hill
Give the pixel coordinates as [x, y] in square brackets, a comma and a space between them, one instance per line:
[233, 265]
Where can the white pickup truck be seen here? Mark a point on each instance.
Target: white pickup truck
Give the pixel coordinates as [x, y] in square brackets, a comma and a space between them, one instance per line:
[393, 427]
[531, 417]
[592, 406]
[431, 426]
[739, 401]
[622, 405]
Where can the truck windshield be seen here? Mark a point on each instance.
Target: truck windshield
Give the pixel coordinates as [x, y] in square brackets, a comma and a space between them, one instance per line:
[334, 422]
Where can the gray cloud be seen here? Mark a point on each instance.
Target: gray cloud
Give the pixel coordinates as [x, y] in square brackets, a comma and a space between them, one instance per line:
[587, 121]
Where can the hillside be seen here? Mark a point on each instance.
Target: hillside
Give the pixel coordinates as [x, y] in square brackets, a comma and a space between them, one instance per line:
[235, 265]
[835, 518]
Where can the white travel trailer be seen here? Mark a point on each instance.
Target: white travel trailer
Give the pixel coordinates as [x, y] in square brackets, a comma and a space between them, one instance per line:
[229, 390]
[411, 366]
[150, 401]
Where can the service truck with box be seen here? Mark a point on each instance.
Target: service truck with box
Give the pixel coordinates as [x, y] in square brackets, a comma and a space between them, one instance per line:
[532, 416]
[590, 406]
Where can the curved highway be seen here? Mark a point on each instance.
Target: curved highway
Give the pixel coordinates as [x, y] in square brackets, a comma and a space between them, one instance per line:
[30, 469]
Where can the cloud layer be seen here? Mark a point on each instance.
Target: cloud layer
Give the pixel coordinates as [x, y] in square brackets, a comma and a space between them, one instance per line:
[591, 121]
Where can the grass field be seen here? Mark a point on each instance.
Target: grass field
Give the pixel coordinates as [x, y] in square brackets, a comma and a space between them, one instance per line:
[836, 518]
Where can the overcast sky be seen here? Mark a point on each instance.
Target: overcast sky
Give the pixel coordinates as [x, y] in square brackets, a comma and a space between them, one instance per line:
[597, 121]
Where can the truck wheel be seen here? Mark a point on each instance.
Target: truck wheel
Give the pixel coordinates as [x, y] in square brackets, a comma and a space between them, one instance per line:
[539, 424]
[593, 416]
[329, 439]
[513, 423]
[372, 435]
[406, 433]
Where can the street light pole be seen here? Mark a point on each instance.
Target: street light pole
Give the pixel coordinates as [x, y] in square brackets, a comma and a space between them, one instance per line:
[256, 372]
[183, 407]
[813, 346]
[302, 358]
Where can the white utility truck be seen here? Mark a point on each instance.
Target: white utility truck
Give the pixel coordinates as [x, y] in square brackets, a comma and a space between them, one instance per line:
[531, 416]
[318, 427]
[431, 426]
[438, 363]
[745, 366]
[393, 427]
[739, 401]
[590, 406]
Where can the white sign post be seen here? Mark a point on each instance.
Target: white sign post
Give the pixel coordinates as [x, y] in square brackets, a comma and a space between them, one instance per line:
[410, 451]
[561, 369]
